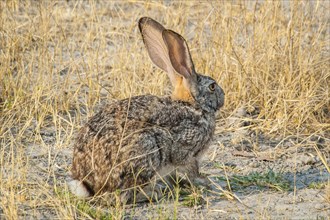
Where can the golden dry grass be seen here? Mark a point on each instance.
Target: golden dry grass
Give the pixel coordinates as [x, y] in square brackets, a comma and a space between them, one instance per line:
[60, 60]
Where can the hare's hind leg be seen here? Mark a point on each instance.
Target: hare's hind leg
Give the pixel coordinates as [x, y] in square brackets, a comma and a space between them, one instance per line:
[148, 153]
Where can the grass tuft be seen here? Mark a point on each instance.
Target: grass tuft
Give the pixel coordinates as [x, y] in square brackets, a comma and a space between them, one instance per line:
[269, 179]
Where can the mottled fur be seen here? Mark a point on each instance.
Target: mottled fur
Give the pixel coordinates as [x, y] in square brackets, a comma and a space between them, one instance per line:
[128, 142]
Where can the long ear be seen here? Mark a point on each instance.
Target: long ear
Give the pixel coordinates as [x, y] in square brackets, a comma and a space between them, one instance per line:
[179, 54]
[151, 32]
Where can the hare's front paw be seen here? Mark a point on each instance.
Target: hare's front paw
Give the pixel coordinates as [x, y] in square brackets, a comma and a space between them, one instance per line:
[201, 181]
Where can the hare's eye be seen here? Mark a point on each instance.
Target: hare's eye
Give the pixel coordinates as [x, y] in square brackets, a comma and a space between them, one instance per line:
[212, 87]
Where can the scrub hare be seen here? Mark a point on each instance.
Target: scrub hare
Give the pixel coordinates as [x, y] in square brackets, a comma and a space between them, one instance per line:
[134, 140]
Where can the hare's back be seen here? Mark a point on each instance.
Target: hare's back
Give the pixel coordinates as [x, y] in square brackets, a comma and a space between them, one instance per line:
[119, 140]
[116, 124]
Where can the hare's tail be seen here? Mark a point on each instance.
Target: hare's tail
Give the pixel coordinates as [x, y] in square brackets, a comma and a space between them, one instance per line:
[79, 188]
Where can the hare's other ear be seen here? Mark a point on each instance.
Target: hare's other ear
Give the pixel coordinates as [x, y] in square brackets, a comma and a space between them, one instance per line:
[151, 32]
[169, 51]
[179, 54]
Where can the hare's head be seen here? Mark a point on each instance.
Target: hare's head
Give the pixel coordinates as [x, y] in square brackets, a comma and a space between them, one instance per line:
[170, 52]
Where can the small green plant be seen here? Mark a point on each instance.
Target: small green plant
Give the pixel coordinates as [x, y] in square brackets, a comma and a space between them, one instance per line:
[317, 185]
[193, 197]
[268, 179]
[86, 209]
[83, 207]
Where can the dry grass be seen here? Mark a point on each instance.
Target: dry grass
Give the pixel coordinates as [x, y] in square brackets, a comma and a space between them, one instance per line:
[60, 60]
